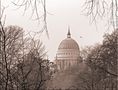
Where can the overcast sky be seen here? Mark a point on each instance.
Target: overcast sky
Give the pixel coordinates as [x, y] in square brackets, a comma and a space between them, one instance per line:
[61, 14]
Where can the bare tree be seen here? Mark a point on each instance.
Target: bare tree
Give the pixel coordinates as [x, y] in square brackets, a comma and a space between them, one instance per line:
[38, 11]
[33, 71]
[107, 9]
[22, 59]
[22, 63]
[102, 62]
[10, 47]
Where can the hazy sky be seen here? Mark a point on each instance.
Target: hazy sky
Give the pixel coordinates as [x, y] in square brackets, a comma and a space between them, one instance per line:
[62, 13]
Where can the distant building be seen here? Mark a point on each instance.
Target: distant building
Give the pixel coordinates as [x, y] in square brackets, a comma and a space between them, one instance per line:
[68, 53]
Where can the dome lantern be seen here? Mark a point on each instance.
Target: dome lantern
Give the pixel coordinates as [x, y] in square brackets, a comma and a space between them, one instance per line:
[68, 35]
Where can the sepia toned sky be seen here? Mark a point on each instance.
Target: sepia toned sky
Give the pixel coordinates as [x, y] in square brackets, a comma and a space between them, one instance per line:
[60, 15]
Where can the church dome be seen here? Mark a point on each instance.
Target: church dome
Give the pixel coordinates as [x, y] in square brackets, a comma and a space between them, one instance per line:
[68, 49]
[68, 43]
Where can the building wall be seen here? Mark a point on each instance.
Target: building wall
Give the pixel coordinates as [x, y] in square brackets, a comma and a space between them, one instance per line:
[65, 64]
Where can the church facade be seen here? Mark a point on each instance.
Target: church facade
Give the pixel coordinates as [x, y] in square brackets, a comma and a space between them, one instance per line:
[68, 53]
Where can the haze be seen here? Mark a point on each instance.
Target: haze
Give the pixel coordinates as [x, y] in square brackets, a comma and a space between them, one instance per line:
[61, 14]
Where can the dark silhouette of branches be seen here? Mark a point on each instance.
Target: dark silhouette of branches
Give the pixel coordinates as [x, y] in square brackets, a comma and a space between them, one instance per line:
[38, 10]
[102, 9]
[9, 49]
[22, 63]
[102, 64]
